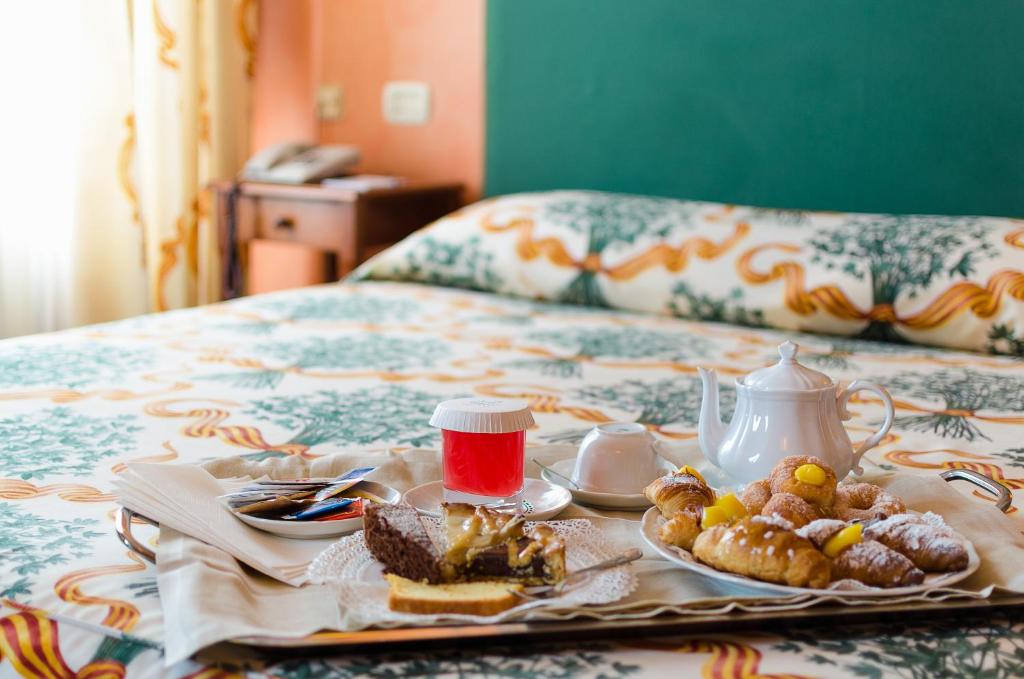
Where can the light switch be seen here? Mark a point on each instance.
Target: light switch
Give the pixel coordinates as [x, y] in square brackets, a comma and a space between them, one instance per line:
[329, 102]
[405, 102]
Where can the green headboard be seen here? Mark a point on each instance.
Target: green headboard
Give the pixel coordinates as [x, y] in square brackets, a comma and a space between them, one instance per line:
[861, 105]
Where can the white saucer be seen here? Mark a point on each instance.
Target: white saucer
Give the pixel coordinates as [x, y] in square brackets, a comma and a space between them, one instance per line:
[620, 501]
[312, 530]
[541, 500]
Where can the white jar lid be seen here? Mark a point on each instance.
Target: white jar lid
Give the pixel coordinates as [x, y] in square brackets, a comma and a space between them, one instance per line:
[482, 415]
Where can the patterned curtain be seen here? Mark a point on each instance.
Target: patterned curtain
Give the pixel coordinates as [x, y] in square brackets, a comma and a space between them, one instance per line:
[166, 111]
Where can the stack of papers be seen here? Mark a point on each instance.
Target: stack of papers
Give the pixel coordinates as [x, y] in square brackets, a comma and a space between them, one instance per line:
[184, 497]
[364, 182]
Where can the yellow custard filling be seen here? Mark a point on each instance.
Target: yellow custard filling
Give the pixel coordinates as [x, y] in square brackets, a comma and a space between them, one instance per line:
[851, 535]
[712, 516]
[811, 474]
[687, 469]
[732, 507]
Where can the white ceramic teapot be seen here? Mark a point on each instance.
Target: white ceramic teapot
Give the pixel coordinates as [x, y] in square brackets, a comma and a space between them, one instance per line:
[784, 409]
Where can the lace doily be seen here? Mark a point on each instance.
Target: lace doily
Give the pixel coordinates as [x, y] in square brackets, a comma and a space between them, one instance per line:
[355, 577]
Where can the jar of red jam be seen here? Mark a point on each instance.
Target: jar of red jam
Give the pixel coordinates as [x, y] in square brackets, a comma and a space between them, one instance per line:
[483, 448]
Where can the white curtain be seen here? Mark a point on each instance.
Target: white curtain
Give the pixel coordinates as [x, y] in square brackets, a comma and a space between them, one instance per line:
[192, 62]
[134, 106]
[39, 75]
[109, 264]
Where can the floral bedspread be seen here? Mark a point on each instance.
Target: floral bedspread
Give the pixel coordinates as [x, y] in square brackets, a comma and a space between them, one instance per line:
[321, 370]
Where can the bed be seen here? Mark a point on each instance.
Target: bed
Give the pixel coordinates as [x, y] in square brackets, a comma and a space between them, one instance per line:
[586, 334]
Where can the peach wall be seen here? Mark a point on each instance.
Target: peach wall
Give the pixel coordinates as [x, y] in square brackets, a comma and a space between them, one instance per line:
[360, 45]
[283, 86]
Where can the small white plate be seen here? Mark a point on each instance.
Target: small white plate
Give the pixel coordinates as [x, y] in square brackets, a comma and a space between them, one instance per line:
[541, 500]
[620, 501]
[312, 530]
[652, 521]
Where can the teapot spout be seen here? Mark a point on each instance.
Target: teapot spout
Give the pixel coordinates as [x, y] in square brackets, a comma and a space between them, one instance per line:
[710, 429]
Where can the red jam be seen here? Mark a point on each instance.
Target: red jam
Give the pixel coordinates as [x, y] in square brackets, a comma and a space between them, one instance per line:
[483, 464]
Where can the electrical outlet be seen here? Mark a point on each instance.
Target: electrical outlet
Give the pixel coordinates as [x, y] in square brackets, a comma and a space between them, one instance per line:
[406, 102]
[329, 102]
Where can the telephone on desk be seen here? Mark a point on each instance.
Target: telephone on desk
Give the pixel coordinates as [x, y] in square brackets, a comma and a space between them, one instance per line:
[299, 163]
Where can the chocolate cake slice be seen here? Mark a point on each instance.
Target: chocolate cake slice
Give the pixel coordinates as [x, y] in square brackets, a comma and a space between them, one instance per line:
[484, 543]
[517, 561]
[397, 538]
[481, 544]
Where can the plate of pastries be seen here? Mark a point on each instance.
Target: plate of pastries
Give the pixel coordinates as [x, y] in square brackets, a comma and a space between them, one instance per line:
[801, 531]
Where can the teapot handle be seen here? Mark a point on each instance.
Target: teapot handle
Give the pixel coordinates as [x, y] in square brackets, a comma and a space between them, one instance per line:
[890, 414]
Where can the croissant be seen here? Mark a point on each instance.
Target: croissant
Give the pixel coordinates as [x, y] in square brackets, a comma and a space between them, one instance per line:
[683, 528]
[764, 548]
[869, 562]
[876, 565]
[673, 492]
[925, 540]
[679, 497]
[821, 530]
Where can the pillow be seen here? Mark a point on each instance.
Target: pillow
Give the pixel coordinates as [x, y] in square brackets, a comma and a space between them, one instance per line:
[944, 281]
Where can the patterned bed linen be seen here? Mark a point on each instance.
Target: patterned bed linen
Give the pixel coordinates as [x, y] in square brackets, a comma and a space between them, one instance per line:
[954, 282]
[354, 366]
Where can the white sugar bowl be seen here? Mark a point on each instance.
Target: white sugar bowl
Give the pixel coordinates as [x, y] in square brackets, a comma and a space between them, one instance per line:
[619, 457]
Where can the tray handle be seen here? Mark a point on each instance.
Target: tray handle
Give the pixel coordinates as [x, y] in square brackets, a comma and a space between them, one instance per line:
[123, 528]
[1003, 497]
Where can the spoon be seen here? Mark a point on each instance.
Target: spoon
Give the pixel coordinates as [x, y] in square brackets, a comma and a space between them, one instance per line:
[544, 591]
[551, 471]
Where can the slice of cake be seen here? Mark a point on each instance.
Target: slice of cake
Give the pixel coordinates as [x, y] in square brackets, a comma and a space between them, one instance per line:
[397, 538]
[484, 543]
[472, 530]
[489, 549]
[466, 598]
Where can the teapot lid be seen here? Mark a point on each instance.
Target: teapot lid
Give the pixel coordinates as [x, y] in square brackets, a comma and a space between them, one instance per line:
[787, 373]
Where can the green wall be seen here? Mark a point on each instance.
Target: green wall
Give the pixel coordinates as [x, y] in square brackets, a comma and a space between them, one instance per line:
[870, 105]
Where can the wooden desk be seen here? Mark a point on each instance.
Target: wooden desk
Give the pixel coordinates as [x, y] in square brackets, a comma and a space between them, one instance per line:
[352, 226]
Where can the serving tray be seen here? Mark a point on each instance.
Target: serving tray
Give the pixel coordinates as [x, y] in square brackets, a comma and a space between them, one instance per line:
[582, 628]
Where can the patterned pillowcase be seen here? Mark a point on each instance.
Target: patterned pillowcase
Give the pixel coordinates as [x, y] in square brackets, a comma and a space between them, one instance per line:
[944, 281]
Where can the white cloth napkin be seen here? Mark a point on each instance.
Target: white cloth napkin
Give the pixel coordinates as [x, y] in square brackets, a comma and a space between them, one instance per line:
[184, 497]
